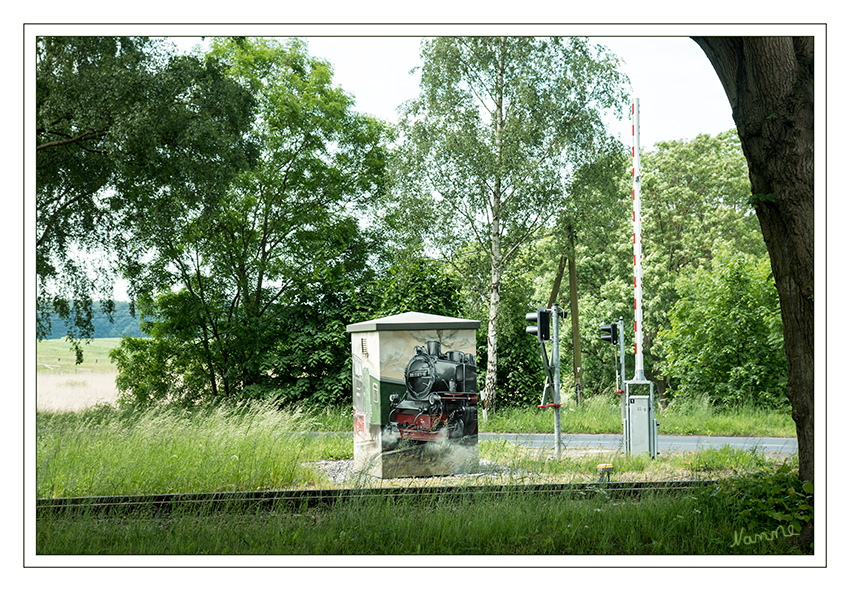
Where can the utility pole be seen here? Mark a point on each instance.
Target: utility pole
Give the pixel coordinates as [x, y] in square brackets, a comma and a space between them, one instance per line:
[577, 372]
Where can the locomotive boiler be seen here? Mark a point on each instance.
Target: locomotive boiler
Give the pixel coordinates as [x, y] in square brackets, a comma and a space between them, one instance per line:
[440, 398]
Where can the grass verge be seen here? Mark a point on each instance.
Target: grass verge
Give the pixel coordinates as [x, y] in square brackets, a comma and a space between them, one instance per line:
[452, 524]
[107, 451]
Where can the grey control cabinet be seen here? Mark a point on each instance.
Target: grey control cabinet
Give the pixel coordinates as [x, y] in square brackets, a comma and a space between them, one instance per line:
[640, 429]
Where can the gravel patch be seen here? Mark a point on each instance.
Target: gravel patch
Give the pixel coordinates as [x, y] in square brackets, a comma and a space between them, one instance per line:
[342, 472]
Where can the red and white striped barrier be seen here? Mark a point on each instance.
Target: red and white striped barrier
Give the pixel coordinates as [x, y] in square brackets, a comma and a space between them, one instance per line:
[638, 274]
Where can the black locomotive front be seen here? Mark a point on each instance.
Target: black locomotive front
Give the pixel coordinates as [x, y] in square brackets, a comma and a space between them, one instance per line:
[441, 396]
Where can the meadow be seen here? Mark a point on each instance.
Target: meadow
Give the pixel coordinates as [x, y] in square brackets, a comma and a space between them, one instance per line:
[107, 449]
[61, 385]
[246, 447]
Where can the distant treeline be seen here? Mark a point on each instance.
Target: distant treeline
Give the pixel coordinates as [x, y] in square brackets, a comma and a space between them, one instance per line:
[123, 324]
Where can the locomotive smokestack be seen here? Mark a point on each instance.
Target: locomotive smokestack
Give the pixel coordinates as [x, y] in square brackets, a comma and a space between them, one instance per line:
[434, 348]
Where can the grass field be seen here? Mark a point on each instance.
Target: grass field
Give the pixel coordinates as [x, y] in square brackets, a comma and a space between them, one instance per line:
[55, 356]
[107, 451]
[85, 448]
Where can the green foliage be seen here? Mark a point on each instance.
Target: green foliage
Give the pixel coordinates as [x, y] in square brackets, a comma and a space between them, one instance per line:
[694, 206]
[311, 361]
[416, 283]
[246, 293]
[725, 338]
[764, 501]
[119, 120]
[520, 373]
[694, 195]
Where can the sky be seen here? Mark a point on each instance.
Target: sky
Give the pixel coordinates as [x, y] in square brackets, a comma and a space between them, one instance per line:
[680, 95]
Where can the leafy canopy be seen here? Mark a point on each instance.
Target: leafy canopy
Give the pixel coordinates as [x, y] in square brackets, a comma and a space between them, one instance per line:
[725, 340]
[120, 120]
[244, 289]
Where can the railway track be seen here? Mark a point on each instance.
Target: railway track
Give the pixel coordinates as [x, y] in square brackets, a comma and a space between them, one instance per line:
[251, 501]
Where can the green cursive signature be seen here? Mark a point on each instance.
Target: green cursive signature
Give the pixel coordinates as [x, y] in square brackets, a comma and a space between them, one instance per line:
[742, 538]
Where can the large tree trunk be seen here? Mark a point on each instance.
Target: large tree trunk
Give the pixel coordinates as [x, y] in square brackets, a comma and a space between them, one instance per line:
[770, 85]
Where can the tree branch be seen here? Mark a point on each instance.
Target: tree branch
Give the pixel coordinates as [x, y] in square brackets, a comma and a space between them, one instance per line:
[72, 140]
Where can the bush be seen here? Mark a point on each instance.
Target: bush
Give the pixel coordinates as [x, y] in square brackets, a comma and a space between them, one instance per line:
[725, 339]
[764, 501]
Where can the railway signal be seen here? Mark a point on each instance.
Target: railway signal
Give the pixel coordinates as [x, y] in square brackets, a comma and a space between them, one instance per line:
[552, 386]
[541, 318]
[609, 333]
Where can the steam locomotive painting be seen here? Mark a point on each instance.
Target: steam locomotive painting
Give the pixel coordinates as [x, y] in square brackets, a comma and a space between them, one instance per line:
[441, 396]
[415, 395]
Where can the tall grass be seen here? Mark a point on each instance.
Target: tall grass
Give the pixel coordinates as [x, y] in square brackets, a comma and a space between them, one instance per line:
[700, 417]
[170, 450]
[110, 451]
[516, 524]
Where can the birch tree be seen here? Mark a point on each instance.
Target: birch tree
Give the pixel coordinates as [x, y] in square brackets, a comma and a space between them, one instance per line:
[489, 144]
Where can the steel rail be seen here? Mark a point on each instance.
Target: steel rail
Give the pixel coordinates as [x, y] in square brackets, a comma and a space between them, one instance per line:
[246, 501]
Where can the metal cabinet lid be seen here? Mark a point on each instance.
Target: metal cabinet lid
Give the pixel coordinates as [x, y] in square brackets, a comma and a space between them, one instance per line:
[413, 321]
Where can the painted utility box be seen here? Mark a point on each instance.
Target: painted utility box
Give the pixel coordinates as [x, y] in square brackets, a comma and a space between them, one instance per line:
[415, 395]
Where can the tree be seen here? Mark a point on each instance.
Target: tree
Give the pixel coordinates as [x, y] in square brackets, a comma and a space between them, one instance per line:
[695, 205]
[313, 361]
[118, 120]
[224, 274]
[695, 198]
[769, 82]
[490, 142]
[725, 337]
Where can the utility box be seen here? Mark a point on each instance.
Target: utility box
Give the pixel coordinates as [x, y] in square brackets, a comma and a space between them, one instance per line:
[640, 427]
[415, 395]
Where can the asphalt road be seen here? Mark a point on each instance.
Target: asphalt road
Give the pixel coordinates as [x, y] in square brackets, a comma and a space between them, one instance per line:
[665, 442]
